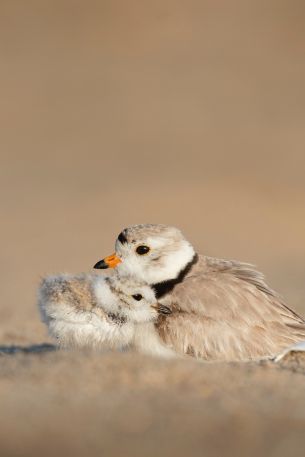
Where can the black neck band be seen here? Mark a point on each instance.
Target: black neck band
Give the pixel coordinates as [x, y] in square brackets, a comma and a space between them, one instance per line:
[163, 288]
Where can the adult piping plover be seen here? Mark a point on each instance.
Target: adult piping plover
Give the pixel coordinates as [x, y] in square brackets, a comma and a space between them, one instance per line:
[101, 313]
[219, 309]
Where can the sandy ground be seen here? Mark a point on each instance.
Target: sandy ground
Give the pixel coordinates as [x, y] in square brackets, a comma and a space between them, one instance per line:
[76, 404]
[114, 113]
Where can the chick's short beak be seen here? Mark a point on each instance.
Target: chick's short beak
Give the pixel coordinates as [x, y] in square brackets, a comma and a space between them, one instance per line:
[162, 309]
[108, 262]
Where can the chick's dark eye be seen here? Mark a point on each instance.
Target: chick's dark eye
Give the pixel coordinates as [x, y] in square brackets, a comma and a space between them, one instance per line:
[137, 297]
[141, 250]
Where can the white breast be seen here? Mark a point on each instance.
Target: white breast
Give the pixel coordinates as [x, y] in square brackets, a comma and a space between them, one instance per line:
[147, 341]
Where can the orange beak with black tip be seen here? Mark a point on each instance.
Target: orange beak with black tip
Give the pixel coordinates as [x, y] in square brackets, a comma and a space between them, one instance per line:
[108, 262]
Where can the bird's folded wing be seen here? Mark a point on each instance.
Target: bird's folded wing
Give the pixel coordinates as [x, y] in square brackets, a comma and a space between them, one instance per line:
[228, 312]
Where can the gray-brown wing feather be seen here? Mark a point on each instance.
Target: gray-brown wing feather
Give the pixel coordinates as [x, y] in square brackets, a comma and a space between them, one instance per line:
[225, 310]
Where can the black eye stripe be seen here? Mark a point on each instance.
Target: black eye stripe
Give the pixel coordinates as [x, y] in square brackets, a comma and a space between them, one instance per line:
[122, 238]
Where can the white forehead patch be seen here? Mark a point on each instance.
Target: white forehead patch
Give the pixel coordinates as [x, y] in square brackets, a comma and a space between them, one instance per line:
[156, 242]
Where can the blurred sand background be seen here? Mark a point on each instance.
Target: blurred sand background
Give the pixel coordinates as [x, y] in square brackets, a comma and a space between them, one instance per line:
[112, 113]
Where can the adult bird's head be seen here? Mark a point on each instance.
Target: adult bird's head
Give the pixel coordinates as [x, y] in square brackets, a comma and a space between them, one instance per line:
[150, 252]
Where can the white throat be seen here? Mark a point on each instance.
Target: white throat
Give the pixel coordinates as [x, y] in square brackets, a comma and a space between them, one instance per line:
[154, 272]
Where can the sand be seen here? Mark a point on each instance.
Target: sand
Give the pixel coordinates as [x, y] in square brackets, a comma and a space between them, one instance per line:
[77, 404]
[114, 113]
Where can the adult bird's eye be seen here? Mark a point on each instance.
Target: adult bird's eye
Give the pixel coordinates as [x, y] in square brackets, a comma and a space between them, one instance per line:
[141, 250]
[137, 297]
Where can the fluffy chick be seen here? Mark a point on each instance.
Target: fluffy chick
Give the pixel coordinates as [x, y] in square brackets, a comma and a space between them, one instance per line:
[104, 313]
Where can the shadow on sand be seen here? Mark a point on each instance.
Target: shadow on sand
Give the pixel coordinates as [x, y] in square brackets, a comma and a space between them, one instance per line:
[33, 349]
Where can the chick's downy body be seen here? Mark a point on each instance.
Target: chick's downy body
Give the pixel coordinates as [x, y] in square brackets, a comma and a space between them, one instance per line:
[100, 312]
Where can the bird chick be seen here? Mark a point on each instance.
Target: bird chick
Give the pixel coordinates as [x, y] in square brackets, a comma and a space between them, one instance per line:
[98, 312]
